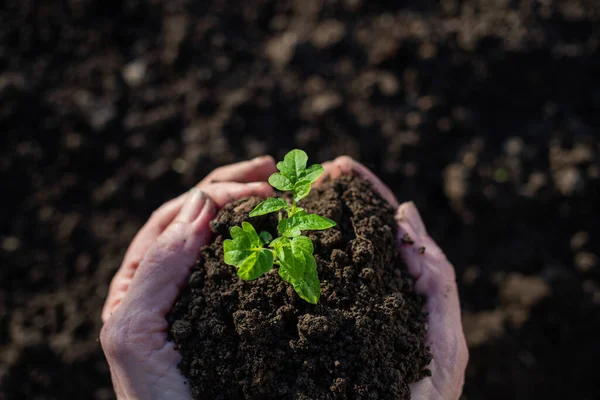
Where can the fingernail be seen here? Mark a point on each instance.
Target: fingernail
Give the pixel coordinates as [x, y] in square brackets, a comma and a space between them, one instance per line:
[192, 206]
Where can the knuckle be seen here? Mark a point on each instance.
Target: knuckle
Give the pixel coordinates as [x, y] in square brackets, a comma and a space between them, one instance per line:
[172, 240]
[215, 173]
[113, 339]
[345, 160]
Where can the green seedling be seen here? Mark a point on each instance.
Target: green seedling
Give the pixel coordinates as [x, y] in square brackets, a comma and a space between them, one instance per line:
[255, 254]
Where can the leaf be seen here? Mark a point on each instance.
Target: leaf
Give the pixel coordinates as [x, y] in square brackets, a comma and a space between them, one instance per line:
[301, 190]
[251, 234]
[296, 211]
[268, 206]
[299, 268]
[292, 226]
[293, 165]
[313, 173]
[284, 229]
[280, 242]
[245, 251]
[280, 182]
[303, 244]
[309, 287]
[292, 263]
[265, 237]
[256, 265]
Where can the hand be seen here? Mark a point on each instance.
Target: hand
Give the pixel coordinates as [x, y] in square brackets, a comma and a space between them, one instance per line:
[142, 362]
[435, 278]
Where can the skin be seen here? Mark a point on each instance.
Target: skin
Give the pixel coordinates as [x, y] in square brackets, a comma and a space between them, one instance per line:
[143, 363]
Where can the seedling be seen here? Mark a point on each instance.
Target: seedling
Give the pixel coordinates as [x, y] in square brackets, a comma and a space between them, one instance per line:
[255, 254]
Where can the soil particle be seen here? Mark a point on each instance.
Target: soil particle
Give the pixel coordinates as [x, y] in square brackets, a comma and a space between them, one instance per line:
[259, 340]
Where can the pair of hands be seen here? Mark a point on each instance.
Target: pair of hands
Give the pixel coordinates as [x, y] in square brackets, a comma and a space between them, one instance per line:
[143, 363]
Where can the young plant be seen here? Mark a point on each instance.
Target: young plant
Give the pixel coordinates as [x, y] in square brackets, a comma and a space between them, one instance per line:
[255, 254]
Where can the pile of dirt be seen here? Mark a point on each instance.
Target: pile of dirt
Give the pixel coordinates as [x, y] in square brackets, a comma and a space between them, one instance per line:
[258, 340]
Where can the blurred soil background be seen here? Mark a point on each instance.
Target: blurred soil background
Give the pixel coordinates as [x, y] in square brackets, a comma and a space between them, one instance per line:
[486, 113]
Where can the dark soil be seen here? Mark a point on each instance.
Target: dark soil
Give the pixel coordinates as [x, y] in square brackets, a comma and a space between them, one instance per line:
[485, 113]
[258, 340]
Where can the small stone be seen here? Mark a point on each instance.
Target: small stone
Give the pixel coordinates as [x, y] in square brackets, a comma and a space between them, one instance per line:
[11, 243]
[579, 240]
[280, 49]
[179, 165]
[388, 84]
[513, 146]
[567, 180]
[324, 102]
[134, 73]
[328, 33]
[585, 261]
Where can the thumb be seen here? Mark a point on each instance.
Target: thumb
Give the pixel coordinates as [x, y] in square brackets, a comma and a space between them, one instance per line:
[435, 278]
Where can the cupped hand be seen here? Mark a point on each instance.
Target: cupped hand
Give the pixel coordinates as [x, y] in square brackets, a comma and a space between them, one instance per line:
[436, 280]
[142, 362]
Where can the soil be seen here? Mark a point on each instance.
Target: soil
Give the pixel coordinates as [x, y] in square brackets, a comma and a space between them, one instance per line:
[258, 340]
[485, 113]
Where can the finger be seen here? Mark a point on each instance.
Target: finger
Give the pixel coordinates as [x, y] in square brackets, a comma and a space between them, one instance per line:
[435, 278]
[155, 225]
[226, 192]
[258, 169]
[219, 194]
[163, 270]
[345, 165]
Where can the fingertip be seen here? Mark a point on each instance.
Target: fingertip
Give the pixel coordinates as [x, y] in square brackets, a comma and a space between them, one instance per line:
[109, 308]
[345, 164]
[194, 203]
[408, 215]
[261, 189]
[266, 160]
[200, 226]
[226, 192]
[257, 169]
[425, 260]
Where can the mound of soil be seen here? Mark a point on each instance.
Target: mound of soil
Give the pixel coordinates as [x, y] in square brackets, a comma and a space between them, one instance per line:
[258, 340]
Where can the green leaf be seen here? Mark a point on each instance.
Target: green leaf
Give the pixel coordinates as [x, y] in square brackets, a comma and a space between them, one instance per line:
[292, 263]
[251, 234]
[299, 268]
[258, 264]
[303, 244]
[313, 173]
[245, 251]
[293, 165]
[309, 288]
[292, 226]
[280, 182]
[301, 190]
[268, 206]
[280, 242]
[296, 211]
[265, 237]
[285, 230]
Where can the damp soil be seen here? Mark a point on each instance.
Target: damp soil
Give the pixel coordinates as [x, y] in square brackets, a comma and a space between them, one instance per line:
[258, 340]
